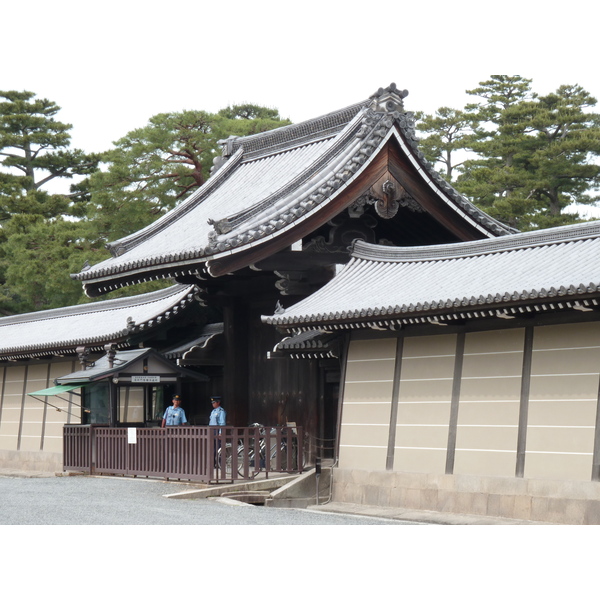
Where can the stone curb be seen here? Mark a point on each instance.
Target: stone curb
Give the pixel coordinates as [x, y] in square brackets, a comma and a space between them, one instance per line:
[417, 516]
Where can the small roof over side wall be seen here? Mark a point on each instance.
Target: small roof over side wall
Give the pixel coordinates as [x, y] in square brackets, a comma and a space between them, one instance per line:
[127, 360]
[92, 325]
[314, 343]
[182, 352]
[271, 188]
[382, 286]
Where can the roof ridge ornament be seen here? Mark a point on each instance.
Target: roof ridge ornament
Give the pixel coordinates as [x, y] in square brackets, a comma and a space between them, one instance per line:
[227, 149]
[390, 99]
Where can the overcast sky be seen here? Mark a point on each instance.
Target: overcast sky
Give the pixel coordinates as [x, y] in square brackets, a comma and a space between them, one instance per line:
[111, 65]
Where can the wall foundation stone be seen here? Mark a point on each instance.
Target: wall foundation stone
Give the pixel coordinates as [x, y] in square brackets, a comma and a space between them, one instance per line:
[20, 460]
[549, 501]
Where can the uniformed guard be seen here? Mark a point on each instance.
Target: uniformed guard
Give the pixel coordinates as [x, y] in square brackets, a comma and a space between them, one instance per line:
[218, 416]
[174, 415]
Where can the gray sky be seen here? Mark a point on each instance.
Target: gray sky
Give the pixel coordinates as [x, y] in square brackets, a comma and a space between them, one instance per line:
[111, 65]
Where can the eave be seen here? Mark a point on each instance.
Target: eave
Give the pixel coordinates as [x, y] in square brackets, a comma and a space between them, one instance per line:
[469, 310]
[60, 332]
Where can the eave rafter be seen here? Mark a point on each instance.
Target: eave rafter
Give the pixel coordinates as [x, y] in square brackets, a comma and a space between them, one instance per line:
[388, 320]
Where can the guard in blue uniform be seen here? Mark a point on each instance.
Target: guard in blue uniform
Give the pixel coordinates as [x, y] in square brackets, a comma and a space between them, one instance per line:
[218, 416]
[174, 415]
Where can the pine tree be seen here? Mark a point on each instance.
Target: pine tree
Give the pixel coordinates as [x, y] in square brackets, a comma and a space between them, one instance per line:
[530, 156]
[34, 152]
[448, 132]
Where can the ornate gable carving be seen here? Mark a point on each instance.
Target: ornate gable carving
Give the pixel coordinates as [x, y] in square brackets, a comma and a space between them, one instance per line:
[387, 195]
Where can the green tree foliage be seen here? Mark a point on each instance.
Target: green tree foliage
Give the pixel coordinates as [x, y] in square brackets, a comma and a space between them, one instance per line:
[39, 255]
[447, 132]
[34, 152]
[530, 156]
[152, 168]
[495, 179]
[564, 162]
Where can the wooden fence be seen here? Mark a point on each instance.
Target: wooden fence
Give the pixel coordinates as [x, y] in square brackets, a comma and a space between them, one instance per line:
[207, 454]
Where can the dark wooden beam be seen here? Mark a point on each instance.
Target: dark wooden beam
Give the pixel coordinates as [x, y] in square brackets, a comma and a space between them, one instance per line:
[300, 261]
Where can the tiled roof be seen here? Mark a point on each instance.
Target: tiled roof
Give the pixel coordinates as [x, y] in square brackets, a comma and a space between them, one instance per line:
[269, 182]
[313, 343]
[198, 343]
[121, 361]
[91, 325]
[542, 270]
[102, 367]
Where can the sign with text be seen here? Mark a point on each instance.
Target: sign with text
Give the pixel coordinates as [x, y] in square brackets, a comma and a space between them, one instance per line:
[145, 379]
[132, 435]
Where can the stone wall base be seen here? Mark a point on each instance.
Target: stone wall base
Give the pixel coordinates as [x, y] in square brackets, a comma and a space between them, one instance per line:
[564, 502]
[51, 462]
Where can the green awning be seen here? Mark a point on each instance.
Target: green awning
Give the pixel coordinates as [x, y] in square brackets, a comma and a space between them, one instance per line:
[57, 389]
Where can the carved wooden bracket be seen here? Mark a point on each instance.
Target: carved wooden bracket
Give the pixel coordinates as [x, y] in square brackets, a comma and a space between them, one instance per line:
[387, 205]
[387, 195]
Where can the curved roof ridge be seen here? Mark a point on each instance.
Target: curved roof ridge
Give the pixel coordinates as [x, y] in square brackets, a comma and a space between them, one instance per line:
[97, 307]
[542, 237]
[236, 150]
[296, 133]
[368, 130]
[345, 139]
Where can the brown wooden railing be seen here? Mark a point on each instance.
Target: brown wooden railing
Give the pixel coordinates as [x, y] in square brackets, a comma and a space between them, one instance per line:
[208, 454]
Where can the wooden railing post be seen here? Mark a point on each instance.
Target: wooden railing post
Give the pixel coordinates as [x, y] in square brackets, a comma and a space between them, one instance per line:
[92, 450]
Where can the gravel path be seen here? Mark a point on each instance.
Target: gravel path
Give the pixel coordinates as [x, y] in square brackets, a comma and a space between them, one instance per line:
[126, 501]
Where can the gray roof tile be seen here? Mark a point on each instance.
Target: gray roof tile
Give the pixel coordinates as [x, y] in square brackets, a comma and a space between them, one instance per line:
[399, 283]
[39, 333]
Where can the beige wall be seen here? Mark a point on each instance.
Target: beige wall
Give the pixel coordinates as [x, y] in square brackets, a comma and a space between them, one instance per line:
[26, 424]
[560, 409]
[490, 391]
[367, 403]
[563, 401]
[55, 420]
[11, 401]
[425, 395]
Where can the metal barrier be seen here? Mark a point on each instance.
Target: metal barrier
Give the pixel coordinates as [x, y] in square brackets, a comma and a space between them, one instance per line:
[207, 454]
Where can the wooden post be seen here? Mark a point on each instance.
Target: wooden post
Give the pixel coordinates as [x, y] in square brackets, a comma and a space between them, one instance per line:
[235, 380]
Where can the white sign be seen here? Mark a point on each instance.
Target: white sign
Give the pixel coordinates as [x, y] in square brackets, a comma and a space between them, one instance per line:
[145, 378]
[132, 435]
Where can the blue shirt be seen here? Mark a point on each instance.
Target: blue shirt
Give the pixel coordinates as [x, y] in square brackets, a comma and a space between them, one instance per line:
[218, 416]
[174, 416]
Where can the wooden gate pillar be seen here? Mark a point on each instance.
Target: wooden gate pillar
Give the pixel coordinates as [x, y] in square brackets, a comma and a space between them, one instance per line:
[235, 380]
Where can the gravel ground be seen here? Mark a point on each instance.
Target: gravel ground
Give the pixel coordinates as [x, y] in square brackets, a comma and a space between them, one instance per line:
[125, 501]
